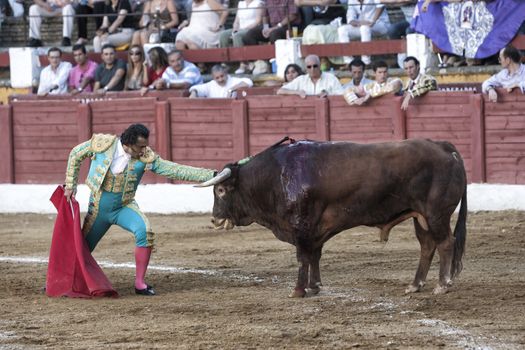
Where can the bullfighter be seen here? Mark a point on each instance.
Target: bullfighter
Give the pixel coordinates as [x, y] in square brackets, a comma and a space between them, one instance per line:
[117, 166]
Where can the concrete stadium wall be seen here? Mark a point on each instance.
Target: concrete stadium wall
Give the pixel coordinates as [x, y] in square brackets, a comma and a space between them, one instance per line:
[38, 134]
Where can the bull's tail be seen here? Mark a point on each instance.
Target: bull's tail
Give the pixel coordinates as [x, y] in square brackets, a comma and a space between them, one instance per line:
[460, 232]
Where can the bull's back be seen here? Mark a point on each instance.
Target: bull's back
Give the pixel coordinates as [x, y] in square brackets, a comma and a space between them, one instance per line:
[368, 174]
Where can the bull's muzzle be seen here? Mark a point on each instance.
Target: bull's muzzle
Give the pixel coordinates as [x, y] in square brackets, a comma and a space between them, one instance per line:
[220, 224]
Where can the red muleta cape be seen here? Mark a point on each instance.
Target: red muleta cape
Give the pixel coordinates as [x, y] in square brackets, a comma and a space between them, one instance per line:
[72, 271]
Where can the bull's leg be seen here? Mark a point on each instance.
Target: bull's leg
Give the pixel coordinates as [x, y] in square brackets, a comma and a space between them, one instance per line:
[446, 253]
[428, 247]
[303, 257]
[314, 283]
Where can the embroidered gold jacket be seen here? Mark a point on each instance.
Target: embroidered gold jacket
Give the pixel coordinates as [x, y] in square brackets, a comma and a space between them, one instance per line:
[100, 148]
[423, 84]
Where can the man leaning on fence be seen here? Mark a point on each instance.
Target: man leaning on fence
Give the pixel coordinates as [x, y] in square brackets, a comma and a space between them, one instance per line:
[314, 82]
[511, 76]
[418, 83]
[181, 74]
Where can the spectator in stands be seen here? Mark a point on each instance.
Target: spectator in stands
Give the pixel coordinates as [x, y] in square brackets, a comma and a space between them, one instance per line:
[14, 8]
[135, 68]
[53, 78]
[291, 72]
[357, 68]
[180, 74]
[183, 9]
[222, 86]
[159, 17]
[317, 12]
[279, 15]
[50, 8]
[382, 85]
[202, 30]
[418, 84]
[82, 76]
[249, 15]
[365, 18]
[511, 76]
[314, 82]
[400, 29]
[88, 7]
[110, 74]
[117, 27]
[159, 63]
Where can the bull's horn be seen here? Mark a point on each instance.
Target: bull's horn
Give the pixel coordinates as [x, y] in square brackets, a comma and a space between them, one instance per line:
[220, 177]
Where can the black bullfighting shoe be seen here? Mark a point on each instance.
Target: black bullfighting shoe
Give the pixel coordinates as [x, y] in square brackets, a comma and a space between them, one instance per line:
[149, 291]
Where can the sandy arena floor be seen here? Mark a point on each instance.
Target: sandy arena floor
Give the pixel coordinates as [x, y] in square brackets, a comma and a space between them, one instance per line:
[228, 290]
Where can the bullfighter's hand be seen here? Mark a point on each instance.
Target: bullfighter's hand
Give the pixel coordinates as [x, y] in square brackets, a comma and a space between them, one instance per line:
[68, 193]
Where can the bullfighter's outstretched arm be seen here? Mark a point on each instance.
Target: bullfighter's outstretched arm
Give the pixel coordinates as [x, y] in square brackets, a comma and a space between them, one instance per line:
[176, 171]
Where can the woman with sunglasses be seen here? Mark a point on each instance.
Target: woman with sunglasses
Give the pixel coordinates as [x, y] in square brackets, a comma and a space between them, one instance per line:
[135, 69]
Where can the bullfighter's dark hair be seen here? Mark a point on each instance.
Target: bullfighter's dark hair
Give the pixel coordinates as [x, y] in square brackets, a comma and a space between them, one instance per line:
[132, 133]
[380, 64]
[54, 49]
[80, 47]
[411, 58]
[512, 53]
[357, 62]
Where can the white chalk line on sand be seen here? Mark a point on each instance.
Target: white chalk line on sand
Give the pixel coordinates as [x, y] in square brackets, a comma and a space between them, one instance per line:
[161, 268]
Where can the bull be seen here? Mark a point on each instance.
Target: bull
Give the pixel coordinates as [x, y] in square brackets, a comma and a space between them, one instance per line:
[306, 192]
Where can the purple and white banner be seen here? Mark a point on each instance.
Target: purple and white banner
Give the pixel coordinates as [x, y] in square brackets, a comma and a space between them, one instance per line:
[475, 29]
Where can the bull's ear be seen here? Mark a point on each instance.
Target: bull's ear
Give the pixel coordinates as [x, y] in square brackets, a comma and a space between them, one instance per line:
[220, 177]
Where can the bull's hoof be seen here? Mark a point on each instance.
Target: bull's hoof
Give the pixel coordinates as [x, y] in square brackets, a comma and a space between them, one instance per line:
[440, 290]
[314, 290]
[413, 289]
[297, 293]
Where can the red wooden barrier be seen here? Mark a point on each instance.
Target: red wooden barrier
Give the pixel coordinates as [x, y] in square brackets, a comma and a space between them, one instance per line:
[443, 116]
[7, 171]
[372, 122]
[273, 117]
[202, 132]
[43, 134]
[505, 138]
[211, 132]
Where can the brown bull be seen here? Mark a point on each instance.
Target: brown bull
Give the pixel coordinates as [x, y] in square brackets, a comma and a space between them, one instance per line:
[307, 192]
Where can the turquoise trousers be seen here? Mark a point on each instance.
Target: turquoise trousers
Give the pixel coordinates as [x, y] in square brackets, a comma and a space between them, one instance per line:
[110, 211]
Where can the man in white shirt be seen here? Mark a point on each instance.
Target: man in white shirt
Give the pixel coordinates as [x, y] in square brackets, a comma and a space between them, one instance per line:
[180, 74]
[357, 68]
[54, 78]
[511, 76]
[222, 86]
[314, 83]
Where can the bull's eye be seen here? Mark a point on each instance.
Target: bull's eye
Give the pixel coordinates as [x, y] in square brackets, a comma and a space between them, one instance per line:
[221, 191]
